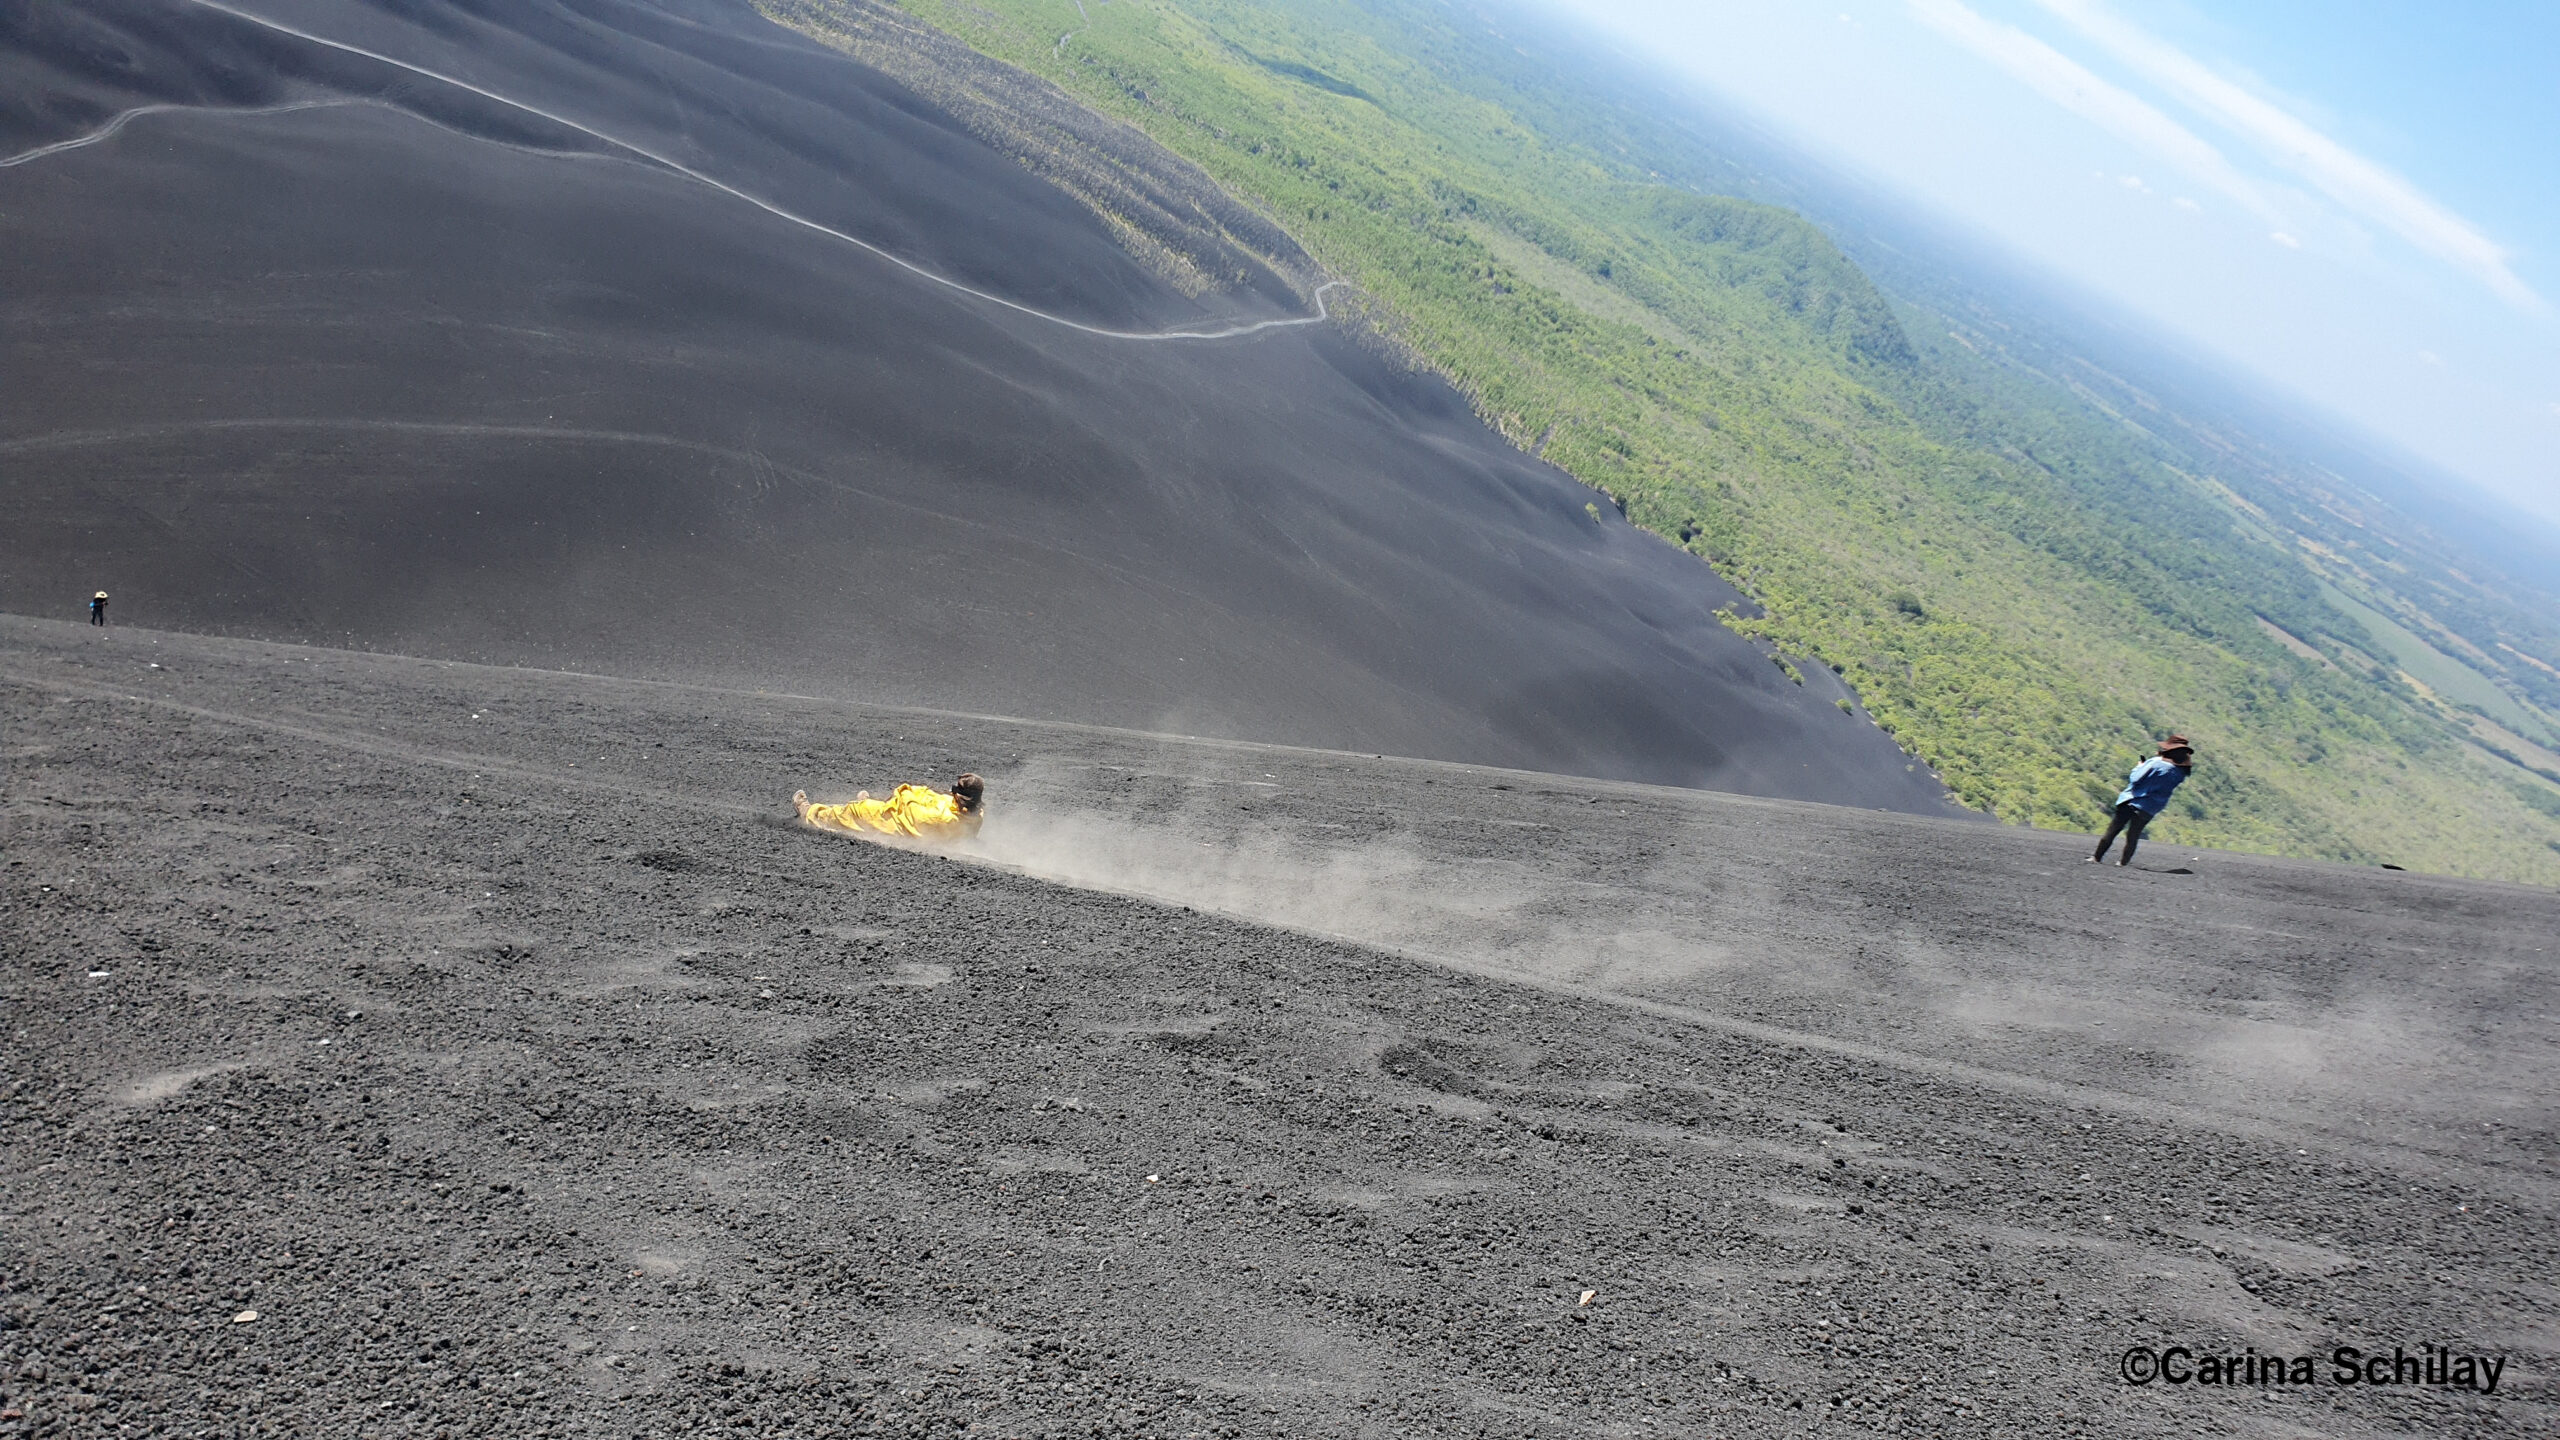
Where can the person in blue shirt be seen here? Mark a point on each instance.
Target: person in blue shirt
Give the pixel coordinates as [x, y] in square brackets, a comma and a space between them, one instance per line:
[2146, 794]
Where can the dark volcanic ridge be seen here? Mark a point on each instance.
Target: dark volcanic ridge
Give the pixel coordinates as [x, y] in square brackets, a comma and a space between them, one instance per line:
[565, 359]
[492, 1042]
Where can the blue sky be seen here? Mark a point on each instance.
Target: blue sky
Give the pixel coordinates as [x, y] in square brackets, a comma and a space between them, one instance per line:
[2359, 201]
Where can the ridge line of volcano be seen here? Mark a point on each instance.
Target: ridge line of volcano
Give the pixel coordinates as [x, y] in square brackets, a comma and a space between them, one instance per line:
[1231, 332]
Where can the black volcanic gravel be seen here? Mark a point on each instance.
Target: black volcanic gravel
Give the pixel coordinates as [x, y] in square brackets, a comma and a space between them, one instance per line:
[322, 349]
[493, 1038]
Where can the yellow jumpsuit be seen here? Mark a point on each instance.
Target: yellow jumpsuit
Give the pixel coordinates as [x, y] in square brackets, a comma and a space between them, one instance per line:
[917, 811]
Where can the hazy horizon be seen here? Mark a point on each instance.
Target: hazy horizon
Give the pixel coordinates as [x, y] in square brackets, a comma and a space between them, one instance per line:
[2339, 204]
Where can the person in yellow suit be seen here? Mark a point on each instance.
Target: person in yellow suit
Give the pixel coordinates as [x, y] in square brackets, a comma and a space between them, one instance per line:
[917, 811]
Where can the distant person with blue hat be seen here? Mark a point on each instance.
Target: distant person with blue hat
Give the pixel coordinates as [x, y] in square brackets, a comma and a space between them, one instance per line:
[2146, 794]
[98, 608]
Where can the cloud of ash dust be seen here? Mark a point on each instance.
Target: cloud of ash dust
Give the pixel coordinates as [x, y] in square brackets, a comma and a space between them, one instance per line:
[1396, 891]
[1391, 890]
[1382, 891]
[1743, 940]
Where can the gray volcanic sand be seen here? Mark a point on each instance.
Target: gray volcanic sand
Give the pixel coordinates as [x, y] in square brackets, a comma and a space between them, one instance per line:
[299, 344]
[495, 1038]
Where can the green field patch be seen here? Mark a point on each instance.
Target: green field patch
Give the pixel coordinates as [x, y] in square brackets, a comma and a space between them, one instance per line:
[2439, 672]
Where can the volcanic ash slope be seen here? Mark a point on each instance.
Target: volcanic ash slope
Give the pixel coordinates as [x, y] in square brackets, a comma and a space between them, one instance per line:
[655, 339]
[492, 1038]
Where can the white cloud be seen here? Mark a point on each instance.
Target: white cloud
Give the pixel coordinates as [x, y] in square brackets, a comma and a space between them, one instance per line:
[2134, 182]
[2429, 357]
[2183, 203]
[2553, 407]
[2359, 184]
[2067, 83]
[2285, 240]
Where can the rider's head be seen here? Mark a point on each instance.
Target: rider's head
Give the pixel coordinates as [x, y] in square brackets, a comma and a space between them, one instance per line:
[970, 791]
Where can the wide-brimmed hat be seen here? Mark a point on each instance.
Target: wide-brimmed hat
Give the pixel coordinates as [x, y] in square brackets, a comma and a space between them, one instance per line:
[2175, 744]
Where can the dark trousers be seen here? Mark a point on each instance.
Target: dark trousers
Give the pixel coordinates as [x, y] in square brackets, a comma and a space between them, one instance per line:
[97, 614]
[2128, 822]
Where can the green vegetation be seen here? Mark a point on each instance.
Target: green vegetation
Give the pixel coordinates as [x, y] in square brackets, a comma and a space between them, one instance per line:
[2023, 586]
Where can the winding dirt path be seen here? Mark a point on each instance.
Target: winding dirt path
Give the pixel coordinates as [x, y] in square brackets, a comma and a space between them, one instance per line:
[1221, 332]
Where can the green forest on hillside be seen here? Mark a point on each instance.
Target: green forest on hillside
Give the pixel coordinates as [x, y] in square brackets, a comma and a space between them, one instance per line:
[2023, 585]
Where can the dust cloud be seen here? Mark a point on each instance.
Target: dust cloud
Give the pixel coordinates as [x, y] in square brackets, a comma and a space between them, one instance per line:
[2233, 1017]
[1386, 889]
[1381, 892]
